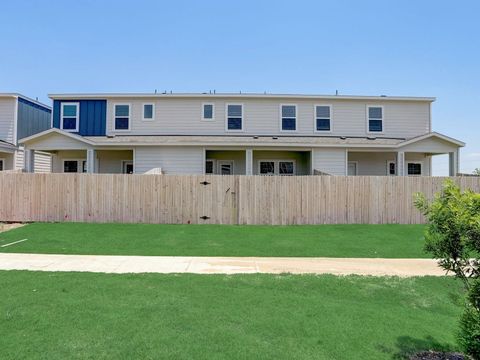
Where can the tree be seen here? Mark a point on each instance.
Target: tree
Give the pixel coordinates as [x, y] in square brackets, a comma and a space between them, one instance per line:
[476, 171]
[453, 237]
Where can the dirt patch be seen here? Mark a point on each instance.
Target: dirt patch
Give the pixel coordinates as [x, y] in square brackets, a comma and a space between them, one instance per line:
[6, 227]
[435, 355]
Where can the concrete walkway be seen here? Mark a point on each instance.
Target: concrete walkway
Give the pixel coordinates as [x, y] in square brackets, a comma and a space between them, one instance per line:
[218, 265]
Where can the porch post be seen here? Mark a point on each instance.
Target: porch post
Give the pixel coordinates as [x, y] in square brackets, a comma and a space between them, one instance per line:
[249, 162]
[90, 161]
[453, 163]
[400, 163]
[29, 160]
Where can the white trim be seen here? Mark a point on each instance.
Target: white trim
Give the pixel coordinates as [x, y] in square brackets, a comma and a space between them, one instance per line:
[413, 162]
[213, 112]
[143, 113]
[429, 135]
[315, 119]
[58, 131]
[129, 117]
[226, 118]
[276, 167]
[79, 165]
[134, 157]
[388, 167]
[219, 164]
[368, 106]
[124, 163]
[280, 116]
[346, 161]
[76, 117]
[356, 167]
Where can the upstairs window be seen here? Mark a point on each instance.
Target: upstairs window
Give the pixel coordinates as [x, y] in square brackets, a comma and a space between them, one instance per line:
[207, 112]
[375, 118]
[148, 112]
[289, 117]
[235, 117]
[69, 116]
[122, 117]
[322, 118]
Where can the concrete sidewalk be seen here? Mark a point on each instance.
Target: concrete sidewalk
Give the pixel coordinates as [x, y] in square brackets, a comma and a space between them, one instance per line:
[219, 265]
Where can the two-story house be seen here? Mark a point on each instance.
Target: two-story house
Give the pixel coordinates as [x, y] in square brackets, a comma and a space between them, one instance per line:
[20, 117]
[252, 134]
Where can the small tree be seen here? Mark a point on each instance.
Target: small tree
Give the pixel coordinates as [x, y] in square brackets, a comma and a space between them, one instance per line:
[476, 171]
[453, 237]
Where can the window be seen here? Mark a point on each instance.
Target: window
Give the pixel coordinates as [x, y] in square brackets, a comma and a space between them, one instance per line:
[207, 112]
[234, 117]
[127, 167]
[267, 168]
[148, 112]
[414, 169]
[69, 116]
[1, 165]
[289, 117]
[322, 118]
[276, 167]
[391, 168]
[209, 166]
[225, 167]
[375, 118]
[122, 117]
[70, 166]
[285, 168]
[74, 166]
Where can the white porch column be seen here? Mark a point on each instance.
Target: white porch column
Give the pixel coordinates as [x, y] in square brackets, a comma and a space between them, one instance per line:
[90, 161]
[400, 163]
[453, 163]
[249, 162]
[29, 160]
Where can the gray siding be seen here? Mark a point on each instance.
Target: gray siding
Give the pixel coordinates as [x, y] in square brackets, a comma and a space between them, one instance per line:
[32, 119]
[331, 161]
[172, 160]
[403, 119]
[7, 119]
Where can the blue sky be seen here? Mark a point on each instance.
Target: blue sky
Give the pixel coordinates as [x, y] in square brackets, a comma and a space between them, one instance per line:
[418, 48]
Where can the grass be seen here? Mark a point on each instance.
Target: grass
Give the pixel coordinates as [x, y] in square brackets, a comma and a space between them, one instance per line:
[149, 316]
[383, 241]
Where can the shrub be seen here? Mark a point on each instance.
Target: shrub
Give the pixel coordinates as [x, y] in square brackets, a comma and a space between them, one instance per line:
[453, 237]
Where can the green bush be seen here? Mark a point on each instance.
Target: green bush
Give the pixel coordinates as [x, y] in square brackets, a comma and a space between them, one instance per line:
[453, 237]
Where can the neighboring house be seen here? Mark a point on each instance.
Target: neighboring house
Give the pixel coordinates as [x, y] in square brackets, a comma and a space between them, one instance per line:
[242, 134]
[20, 117]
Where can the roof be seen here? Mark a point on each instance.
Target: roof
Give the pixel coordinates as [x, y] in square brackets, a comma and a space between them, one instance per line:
[236, 96]
[7, 146]
[283, 141]
[17, 95]
[242, 140]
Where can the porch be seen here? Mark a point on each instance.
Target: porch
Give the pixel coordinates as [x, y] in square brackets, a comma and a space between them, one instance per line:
[257, 162]
[7, 156]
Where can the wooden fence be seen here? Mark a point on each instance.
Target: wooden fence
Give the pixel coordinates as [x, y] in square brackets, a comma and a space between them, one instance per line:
[215, 199]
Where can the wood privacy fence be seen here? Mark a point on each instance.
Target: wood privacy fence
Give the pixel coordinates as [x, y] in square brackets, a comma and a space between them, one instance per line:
[215, 199]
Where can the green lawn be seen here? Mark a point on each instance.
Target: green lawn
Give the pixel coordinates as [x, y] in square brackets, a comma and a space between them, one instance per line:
[385, 241]
[98, 316]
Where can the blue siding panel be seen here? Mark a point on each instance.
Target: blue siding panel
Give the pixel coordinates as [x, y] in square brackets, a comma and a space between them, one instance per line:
[93, 116]
[32, 118]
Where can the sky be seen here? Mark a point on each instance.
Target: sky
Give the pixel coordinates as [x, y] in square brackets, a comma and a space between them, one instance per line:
[411, 48]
